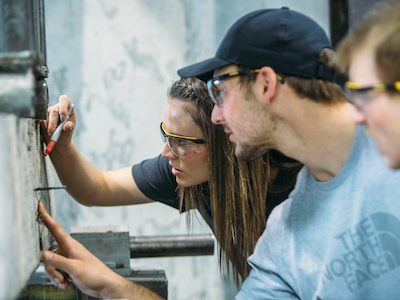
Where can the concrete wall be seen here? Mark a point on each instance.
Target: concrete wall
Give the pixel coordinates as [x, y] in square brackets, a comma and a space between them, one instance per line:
[116, 59]
[22, 169]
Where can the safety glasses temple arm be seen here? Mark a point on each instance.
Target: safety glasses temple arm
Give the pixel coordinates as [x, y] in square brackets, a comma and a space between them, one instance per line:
[192, 139]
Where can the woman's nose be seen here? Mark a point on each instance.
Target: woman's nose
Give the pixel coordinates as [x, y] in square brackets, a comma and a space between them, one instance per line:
[167, 152]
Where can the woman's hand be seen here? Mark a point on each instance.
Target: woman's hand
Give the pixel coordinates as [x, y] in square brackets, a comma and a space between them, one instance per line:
[57, 113]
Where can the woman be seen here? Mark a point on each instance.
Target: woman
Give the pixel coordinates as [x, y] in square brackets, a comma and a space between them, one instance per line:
[197, 169]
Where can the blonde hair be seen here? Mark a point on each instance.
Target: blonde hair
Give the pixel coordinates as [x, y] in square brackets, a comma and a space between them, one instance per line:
[381, 30]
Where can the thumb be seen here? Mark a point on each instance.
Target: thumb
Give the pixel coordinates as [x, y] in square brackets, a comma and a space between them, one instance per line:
[68, 127]
[68, 130]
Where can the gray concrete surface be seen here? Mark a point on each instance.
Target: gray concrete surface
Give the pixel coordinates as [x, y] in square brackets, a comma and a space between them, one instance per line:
[21, 170]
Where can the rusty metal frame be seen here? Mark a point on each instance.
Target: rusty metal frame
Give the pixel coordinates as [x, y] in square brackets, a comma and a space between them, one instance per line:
[23, 66]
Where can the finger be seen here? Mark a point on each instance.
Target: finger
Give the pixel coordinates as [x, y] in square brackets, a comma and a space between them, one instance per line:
[62, 237]
[54, 275]
[53, 120]
[65, 276]
[48, 110]
[56, 264]
[58, 278]
[60, 275]
[45, 123]
[43, 129]
[64, 103]
[52, 280]
[67, 285]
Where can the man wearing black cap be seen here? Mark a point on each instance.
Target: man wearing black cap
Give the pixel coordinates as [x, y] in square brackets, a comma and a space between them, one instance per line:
[338, 234]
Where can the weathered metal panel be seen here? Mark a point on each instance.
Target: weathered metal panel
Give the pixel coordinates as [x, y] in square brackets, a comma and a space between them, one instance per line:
[23, 54]
[23, 27]
[109, 244]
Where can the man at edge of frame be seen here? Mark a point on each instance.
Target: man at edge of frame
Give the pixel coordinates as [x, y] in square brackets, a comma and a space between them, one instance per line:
[370, 55]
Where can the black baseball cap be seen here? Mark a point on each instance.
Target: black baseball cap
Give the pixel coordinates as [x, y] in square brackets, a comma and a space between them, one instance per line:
[285, 40]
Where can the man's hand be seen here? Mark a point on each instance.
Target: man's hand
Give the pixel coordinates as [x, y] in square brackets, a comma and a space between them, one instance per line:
[88, 273]
[85, 271]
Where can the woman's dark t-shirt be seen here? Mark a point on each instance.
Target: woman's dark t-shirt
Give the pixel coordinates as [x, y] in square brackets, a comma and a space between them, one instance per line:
[155, 180]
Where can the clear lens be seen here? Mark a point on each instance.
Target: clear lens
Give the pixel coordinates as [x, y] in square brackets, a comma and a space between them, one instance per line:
[359, 98]
[216, 89]
[210, 89]
[182, 148]
[164, 139]
[349, 95]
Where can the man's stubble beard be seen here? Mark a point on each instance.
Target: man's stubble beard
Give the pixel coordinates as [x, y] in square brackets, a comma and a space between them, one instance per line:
[247, 152]
[262, 140]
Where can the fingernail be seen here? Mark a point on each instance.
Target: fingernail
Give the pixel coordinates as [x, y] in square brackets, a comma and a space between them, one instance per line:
[61, 286]
[70, 127]
[56, 280]
[62, 117]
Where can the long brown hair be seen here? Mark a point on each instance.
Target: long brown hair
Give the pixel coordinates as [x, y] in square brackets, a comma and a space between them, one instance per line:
[237, 189]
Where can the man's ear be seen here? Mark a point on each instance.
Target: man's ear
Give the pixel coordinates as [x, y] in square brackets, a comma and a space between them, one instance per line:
[268, 82]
